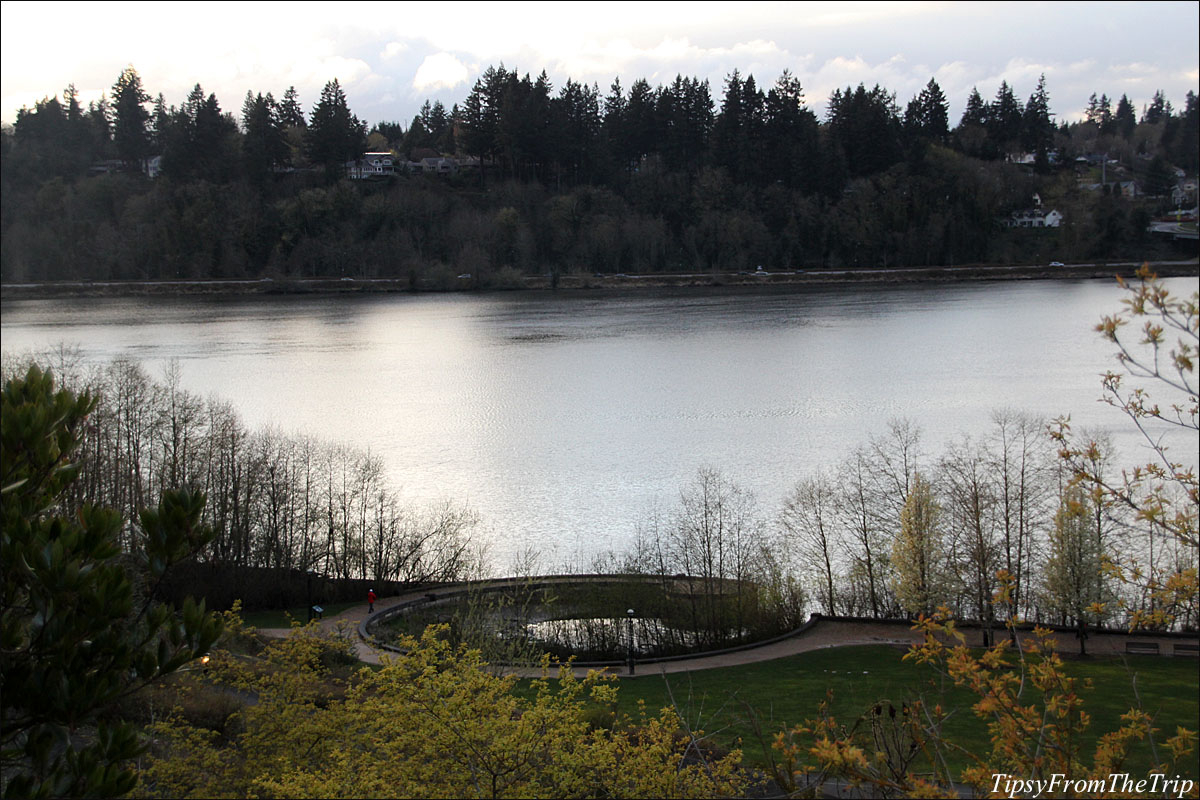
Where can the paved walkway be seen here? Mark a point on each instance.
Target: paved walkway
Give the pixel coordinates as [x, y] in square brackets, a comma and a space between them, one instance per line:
[819, 638]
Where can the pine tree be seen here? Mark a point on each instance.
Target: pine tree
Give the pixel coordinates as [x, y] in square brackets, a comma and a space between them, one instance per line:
[1004, 120]
[1125, 119]
[934, 112]
[1037, 129]
[75, 641]
[291, 115]
[976, 110]
[130, 117]
[1158, 110]
[791, 133]
[264, 146]
[334, 135]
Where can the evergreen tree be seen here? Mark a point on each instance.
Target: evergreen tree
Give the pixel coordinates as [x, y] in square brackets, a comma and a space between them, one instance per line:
[971, 134]
[53, 138]
[130, 117]
[481, 117]
[578, 140]
[1004, 121]
[684, 114]
[728, 130]
[264, 146]
[291, 115]
[78, 137]
[1105, 115]
[1125, 119]
[1185, 150]
[932, 113]
[196, 143]
[75, 641]
[641, 123]
[99, 120]
[160, 122]
[613, 126]
[791, 134]
[1037, 129]
[1159, 109]
[215, 135]
[334, 136]
[866, 126]
[976, 111]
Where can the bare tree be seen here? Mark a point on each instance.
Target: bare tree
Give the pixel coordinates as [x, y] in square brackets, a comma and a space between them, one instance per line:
[970, 503]
[809, 524]
[1021, 462]
[862, 518]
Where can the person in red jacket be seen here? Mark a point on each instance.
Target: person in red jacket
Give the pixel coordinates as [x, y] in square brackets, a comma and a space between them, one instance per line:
[370, 601]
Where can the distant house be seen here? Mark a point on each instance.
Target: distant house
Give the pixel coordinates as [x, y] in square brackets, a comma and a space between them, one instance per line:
[1184, 192]
[370, 165]
[1029, 159]
[1095, 159]
[152, 166]
[1128, 189]
[439, 166]
[435, 165]
[107, 166]
[1034, 218]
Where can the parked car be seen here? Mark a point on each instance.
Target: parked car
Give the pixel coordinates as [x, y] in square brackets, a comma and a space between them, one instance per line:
[1057, 264]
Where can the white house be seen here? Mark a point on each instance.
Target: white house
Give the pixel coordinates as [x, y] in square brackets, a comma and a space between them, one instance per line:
[1034, 218]
[370, 165]
[1184, 192]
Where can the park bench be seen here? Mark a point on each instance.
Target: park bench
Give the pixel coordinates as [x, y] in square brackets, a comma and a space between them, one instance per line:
[1142, 648]
[1192, 650]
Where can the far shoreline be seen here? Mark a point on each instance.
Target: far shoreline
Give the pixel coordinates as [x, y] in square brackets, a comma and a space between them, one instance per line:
[573, 282]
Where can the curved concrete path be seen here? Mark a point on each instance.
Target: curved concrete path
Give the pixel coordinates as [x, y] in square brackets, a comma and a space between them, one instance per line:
[818, 638]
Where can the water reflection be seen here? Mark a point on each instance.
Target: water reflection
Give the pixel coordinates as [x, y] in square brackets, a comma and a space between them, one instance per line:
[565, 419]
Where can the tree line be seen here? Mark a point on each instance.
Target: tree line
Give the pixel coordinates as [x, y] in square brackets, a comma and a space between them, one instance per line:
[644, 179]
[894, 531]
[274, 501]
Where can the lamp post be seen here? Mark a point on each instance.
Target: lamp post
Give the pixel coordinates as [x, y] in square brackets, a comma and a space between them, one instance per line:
[629, 613]
[308, 592]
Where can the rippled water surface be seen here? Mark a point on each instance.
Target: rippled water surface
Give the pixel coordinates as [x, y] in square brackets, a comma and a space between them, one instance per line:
[566, 419]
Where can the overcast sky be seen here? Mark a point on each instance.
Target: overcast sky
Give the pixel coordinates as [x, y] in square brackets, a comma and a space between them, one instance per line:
[390, 57]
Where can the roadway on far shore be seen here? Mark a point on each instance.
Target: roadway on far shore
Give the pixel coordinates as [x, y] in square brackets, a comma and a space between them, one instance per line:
[766, 276]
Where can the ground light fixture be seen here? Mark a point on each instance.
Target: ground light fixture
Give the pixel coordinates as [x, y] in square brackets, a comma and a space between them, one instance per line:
[630, 614]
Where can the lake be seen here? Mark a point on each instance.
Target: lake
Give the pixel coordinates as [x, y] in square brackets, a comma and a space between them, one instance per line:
[566, 419]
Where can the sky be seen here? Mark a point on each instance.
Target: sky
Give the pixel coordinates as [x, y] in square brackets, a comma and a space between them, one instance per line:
[391, 57]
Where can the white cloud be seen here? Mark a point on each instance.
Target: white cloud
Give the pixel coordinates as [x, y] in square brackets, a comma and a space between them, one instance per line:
[439, 71]
[403, 51]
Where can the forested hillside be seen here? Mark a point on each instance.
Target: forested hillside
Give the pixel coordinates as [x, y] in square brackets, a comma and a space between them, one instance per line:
[675, 177]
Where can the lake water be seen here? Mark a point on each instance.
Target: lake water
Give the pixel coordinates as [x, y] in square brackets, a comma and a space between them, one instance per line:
[566, 419]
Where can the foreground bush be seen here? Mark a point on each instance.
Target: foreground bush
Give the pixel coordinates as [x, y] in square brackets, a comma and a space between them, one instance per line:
[431, 723]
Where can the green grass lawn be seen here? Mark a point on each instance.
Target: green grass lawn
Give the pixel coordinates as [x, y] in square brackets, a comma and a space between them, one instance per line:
[278, 618]
[730, 704]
